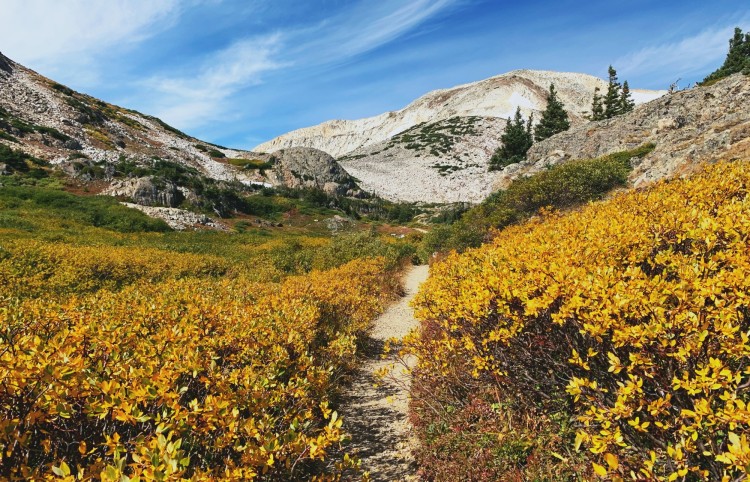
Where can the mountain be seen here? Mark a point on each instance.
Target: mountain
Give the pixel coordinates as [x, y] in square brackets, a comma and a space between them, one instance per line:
[440, 144]
[688, 128]
[113, 150]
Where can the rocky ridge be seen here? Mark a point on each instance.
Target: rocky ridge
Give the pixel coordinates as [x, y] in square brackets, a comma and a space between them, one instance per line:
[689, 127]
[99, 131]
[89, 139]
[437, 149]
[494, 97]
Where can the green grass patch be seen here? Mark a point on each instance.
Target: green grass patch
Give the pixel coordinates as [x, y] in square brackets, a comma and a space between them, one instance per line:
[8, 137]
[8, 121]
[437, 138]
[19, 161]
[98, 211]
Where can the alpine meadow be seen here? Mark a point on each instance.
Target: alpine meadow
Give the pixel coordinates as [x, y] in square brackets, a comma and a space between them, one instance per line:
[374, 241]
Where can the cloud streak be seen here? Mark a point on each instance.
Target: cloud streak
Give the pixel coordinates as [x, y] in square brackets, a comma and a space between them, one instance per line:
[202, 97]
[690, 55]
[66, 37]
[368, 26]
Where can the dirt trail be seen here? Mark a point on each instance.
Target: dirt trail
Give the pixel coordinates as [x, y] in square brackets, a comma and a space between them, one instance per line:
[377, 416]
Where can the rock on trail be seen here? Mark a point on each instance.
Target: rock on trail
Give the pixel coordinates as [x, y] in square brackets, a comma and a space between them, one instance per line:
[376, 416]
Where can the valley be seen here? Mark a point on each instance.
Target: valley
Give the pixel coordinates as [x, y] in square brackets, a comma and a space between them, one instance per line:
[537, 276]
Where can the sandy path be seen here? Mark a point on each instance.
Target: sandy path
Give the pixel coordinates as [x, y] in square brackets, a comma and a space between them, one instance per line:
[377, 416]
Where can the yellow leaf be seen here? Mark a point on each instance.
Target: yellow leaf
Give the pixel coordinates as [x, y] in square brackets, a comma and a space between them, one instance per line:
[611, 460]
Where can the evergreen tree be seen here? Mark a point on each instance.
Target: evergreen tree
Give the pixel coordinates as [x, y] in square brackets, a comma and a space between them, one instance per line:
[517, 140]
[612, 99]
[738, 57]
[597, 109]
[554, 118]
[627, 103]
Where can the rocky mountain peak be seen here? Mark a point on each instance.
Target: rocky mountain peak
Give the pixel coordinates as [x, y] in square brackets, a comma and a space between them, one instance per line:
[437, 148]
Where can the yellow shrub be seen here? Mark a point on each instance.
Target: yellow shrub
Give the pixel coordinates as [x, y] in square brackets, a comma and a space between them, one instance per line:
[631, 314]
[190, 378]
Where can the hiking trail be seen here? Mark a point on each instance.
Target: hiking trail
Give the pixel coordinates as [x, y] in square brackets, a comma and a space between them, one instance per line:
[376, 416]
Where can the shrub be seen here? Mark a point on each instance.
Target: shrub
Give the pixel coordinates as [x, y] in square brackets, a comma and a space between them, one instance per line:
[191, 379]
[628, 317]
[16, 160]
[363, 245]
[63, 89]
[255, 164]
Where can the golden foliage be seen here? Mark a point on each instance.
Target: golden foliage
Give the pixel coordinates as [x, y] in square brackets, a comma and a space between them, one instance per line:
[30, 268]
[182, 379]
[632, 315]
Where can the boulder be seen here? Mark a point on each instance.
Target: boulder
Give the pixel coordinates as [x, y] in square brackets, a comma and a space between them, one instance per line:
[180, 219]
[305, 167]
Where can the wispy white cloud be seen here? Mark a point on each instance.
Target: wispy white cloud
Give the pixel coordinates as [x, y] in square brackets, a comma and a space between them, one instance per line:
[201, 97]
[367, 26]
[67, 36]
[689, 55]
[197, 99]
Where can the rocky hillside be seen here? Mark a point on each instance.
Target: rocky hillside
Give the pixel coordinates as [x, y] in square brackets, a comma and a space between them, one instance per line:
[440, 144]
[690, 127]
[444, 161]
[494, 97]
[122, 152]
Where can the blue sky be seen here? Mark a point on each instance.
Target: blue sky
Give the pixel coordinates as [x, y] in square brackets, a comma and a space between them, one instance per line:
[239, 72]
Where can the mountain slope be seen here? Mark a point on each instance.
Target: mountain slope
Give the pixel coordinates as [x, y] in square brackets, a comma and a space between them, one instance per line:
[437, 148]
[100, 131]
[444, 161]
[122, 152]
[494, 97]
[689, 127]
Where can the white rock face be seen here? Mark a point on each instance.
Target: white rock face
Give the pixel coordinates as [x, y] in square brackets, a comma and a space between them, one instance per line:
[494, 97]
[430, 163]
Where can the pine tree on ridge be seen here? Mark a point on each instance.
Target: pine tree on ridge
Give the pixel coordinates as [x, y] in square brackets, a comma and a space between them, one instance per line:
[554, 118]
[627, 103]
[612, 99]
[517, 140]
[597, 109]
[738, 58]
